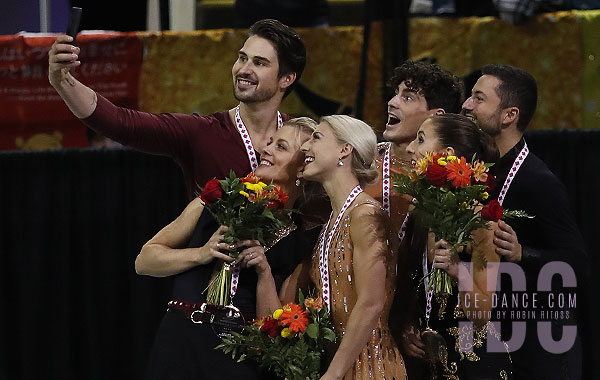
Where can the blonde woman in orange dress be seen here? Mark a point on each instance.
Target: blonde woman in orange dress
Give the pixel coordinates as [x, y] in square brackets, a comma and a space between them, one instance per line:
[352, 266]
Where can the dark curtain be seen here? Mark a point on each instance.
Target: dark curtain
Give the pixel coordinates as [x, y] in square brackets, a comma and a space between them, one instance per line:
[73, 222]
[573, 156]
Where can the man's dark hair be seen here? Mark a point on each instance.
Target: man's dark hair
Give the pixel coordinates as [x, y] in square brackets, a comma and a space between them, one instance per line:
[291, 52]
[517, 88]
[440, 88]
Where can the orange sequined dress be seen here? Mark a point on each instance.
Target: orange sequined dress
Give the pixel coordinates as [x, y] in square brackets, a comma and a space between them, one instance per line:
[380, 358]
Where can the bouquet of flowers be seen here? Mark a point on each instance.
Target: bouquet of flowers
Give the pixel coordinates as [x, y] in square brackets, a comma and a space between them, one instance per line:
[448, 193]
[290, 342]
[250, 209]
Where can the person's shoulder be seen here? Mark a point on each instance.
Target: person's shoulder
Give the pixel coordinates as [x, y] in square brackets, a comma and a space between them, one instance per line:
[219, 119]
[366, 206]
[536, 171]
[221, 116]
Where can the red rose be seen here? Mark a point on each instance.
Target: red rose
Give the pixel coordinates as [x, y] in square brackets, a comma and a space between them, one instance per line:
[211, 192]
[271, 327]
[436, 175]
[492, 211]
[489, 182]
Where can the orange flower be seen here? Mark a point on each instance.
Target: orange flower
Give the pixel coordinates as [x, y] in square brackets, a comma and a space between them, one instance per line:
[278, 197]
[294, 318]
[459, 172]
[259, 322]
[252, 178]
[314, 303]
[480, 171]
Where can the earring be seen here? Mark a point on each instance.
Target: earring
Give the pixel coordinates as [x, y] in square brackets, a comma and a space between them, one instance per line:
[297, 182]
[340, 162]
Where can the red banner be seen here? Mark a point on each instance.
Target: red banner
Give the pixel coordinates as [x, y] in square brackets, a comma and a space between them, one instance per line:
[32, 115]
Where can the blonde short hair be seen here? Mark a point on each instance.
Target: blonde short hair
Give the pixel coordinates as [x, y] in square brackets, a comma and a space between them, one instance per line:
[302, 125]
[362, 138]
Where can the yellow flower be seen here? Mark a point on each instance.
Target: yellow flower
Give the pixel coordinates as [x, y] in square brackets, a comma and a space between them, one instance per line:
[277, 313]
[421, 166]
[428, 157]
[451, 158]
[244, 193]
[286, 332]
[442, 161]
[485, 195]
[463, 206]
[255, 186]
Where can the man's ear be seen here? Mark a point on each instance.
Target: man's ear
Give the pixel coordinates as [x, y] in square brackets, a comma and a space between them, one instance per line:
[286, 80]
[436, 111]
[511, 115]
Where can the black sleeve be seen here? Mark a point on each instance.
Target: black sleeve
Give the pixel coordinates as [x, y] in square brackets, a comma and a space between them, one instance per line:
[555, 235]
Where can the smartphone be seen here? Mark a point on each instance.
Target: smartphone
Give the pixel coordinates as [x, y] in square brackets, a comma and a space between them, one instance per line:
[74, 19]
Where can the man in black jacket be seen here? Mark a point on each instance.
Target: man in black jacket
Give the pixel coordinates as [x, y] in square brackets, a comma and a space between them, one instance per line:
[541, 312]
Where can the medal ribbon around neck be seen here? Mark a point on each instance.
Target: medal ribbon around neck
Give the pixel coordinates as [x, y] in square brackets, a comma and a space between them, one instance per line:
[513, 173]
[385, 183]
[386, 189]
[235, 271]
[246, 136]
[325, 241]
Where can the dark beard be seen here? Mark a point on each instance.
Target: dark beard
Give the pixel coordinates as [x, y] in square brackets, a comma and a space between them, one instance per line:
[255, 97]
[489, 126]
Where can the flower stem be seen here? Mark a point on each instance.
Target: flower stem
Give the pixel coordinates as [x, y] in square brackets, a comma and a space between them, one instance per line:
[219, 287]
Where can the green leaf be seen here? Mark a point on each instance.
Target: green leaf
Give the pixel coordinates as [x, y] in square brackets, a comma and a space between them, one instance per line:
[312, 330]
[300, 297]
[328, 334]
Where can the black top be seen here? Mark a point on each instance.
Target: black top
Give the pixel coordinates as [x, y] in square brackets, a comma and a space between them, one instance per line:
[283, 258]
[552, 235]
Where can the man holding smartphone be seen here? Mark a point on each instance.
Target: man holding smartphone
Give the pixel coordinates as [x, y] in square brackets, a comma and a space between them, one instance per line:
[268, 65]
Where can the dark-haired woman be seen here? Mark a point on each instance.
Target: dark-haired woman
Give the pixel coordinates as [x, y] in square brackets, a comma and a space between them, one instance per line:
[466, 314]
